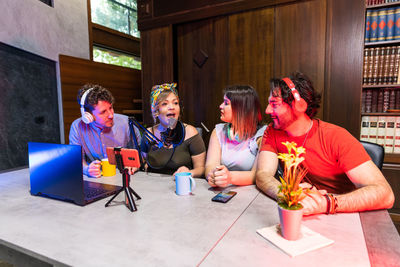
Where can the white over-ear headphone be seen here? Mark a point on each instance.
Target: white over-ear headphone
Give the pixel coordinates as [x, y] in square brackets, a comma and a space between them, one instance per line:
[86, 116]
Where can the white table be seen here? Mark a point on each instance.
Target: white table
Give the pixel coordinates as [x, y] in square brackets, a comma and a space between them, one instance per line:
[167, 230]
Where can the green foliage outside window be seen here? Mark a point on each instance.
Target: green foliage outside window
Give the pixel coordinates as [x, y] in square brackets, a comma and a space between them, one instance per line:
[115, 58]
[120, 15]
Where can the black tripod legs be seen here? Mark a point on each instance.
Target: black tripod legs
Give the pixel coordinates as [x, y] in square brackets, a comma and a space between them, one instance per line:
[115, 195]
[129, 201]
[133, 192]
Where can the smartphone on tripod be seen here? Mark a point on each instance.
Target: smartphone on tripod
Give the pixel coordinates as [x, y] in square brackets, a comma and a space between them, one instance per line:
[130, 157]
[123, 158]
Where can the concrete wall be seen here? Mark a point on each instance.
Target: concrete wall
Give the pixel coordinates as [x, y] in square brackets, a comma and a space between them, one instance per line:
[31, 86]
[46, 31]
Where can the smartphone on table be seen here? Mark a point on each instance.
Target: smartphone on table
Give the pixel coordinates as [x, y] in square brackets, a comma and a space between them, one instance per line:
[224, 197]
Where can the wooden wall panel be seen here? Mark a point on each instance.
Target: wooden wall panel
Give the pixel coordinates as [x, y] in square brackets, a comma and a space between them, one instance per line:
[124, 84]
[344, 54]
[157, 56]
[321, 38]
[200, 87]
[159, 13]
[251, 50]
[300, 41]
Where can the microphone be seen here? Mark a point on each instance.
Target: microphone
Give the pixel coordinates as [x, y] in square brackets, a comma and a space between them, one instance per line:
[167, 135]
[171, 125]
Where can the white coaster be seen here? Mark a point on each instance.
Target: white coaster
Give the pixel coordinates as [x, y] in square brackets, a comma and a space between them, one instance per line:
[308, 241]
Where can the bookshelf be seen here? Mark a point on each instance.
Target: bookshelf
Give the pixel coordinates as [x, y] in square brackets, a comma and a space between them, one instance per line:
[382, 43]
[380, 109]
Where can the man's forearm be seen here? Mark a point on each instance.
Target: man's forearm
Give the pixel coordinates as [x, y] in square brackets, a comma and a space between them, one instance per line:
[371, 197]
[267, 183]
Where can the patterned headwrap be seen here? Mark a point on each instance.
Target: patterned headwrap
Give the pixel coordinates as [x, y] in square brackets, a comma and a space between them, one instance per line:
[157, 90]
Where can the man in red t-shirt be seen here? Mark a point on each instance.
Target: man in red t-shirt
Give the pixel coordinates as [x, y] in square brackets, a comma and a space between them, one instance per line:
[336, 162]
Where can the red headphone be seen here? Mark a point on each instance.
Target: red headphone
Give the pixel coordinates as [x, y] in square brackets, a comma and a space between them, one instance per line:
[300, 104]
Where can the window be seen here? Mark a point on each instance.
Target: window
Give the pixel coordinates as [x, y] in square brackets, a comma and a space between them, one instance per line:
[108, 56]
[120, 15]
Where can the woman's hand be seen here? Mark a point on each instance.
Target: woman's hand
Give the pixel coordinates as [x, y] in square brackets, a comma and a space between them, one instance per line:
[222, 176]
[181, 169]
[211, 178]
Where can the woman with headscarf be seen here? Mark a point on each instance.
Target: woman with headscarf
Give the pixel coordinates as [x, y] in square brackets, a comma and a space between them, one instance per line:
[183, 149]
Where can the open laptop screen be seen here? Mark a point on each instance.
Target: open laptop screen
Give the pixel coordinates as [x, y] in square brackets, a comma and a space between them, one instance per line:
[56, 171]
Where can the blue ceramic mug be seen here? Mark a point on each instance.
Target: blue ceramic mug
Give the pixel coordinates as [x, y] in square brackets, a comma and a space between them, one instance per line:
[185, 184]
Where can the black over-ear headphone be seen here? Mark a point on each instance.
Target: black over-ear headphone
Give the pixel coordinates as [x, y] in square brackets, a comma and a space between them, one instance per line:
[86, 116]
[300, 104]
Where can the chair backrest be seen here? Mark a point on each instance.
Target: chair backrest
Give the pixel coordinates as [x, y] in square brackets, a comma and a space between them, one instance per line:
[375, 151]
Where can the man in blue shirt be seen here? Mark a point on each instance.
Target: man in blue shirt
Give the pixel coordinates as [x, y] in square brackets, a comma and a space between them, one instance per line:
[98, 128]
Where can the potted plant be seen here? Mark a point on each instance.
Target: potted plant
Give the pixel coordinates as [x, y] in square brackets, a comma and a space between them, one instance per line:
[290, 193]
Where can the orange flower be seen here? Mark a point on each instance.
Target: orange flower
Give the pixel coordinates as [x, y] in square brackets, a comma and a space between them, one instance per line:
[290, 193]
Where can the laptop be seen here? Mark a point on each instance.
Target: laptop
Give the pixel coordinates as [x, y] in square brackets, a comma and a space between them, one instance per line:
[56, 172]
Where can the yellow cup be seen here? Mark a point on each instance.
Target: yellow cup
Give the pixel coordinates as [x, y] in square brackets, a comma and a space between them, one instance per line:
[107, 168]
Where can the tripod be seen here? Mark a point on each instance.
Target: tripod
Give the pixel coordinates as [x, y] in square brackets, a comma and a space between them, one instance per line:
[129, 201]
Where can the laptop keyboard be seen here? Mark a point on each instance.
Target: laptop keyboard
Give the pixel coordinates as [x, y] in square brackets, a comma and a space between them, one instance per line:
[91, 192]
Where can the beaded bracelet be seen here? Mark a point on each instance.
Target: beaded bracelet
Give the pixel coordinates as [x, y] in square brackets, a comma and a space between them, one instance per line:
[335, 206]
[328, 202]
[332, 204]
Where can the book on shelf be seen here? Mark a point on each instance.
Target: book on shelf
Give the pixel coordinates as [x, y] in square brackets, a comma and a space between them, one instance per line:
[382, 21]
[396, 64]
[390, 131]
[397, 101]
[396, 147]
[377, 101]
[385, 75]
[373, 34]
[364, 135]
[370, 67]
[390, 25]
[367, 25]
[368, 100]
[381, 133]
[373, 129]
[378, 2]
[382, 130]
[386, 96]
[392, 98]
[396, 24]
[382, 24]
[375, 67]
[380, 100]
[392, 59]
[381, 65]
[367, 51]
[363, 93]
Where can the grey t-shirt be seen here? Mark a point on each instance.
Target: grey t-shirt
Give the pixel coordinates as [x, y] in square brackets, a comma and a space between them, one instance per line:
[237, 156]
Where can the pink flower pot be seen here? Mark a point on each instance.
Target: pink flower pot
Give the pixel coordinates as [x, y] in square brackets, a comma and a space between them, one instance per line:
[290, 223]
